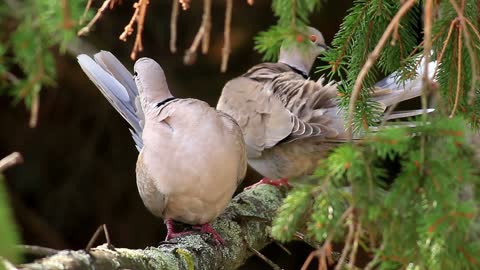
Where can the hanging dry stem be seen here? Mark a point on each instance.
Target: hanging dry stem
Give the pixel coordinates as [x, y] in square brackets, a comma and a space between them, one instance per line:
[469, 46]
[185, 4]
[86, 29]
[226, 35]
[191, 53]
[138, 17]
[459, 72]
[173, 26]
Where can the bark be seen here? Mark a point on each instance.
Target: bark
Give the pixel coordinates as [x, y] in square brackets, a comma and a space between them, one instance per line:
[245, 223]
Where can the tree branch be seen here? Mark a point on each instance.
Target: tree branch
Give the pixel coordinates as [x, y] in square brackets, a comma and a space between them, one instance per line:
[244, 225]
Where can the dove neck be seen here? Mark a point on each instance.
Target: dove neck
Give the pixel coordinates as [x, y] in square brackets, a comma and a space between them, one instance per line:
[301, 72]
[297, 60]
[165, 101]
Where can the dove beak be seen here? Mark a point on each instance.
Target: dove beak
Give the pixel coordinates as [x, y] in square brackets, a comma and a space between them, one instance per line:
[324, 47]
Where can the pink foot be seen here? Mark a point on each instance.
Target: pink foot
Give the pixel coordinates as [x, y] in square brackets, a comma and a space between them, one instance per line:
[171, 231]
[276, 183]
[207, 228]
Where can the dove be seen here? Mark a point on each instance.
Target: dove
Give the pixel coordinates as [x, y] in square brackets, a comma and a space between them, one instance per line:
[289, 122]
[191, 156]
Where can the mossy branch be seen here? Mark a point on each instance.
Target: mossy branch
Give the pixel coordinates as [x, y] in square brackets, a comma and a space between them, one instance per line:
[245, 223]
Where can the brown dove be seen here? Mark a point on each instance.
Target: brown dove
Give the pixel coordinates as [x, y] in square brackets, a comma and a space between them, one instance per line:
[290, 122]
[192, 157]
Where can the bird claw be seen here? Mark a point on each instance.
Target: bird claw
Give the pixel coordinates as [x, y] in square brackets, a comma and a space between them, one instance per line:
[207, 228]
[204, 228]
[276, 183]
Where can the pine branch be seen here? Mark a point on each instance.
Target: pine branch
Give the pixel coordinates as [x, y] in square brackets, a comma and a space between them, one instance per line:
[244, 225]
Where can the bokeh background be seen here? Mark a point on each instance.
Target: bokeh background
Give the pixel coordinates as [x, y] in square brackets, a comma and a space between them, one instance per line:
[79, 168]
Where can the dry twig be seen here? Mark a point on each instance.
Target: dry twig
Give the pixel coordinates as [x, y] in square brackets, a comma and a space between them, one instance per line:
[185, 4]
[138, 17]
[273, 265]
[173, 26]
[86, 29]
[191, 54]
[87, 8]
[356, 239]
[100, 228]
[34, 110]
[226, 35]
[348, 242]
[325, 252]
[471, 52]
[459, 71]
[10, 160]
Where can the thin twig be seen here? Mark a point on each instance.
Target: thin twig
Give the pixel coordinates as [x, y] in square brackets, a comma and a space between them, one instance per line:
[326, 250]
[375, 259]
[348, 243]
[475, 30]
[173, 26]
[95, 18]
[308, 260]
[37, 250]
[226, 35]
[459, 72]
[191, 53]
[10, 160]
[371, 60]
[185, 4]
[427, 47]
[87, 8]
[34, 110]
[356, 239]
[100, 228]
[207, 18]
[138, 17]
[445, 43]
[265, 259]
[280, 245]
[471, 52]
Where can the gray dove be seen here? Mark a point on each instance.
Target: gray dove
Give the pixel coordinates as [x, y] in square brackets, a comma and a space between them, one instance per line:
[192, 157]
[290, 122]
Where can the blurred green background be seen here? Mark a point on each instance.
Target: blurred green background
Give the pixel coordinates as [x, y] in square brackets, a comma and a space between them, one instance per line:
[79, 168]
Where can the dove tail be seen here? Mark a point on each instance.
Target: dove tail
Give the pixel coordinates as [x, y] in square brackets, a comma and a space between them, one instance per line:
[116, 84]
[389, 91]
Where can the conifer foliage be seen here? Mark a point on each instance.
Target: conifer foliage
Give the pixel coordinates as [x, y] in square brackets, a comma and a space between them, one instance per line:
[423, 214]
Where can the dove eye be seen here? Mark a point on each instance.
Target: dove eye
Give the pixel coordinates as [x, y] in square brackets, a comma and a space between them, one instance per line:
[313, 38]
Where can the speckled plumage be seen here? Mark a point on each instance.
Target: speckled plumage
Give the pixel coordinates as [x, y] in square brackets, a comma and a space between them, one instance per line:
[290, 122]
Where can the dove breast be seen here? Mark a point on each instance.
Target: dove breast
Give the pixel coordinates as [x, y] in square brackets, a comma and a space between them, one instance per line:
[192, 160]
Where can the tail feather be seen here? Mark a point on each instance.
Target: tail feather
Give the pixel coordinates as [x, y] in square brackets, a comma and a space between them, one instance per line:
[104, 76]
[111, 64]
[389, 91]
[406, 114]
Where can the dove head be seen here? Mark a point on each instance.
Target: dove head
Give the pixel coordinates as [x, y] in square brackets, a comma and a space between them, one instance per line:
[150, 80]
[304, 51]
